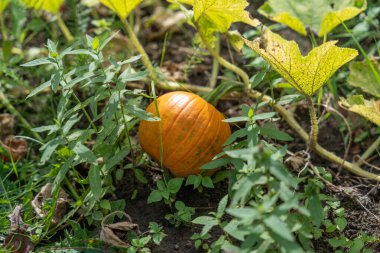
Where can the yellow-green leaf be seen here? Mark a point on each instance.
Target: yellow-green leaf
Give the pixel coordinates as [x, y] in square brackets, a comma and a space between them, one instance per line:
[3, 5]
[367, 109]
[121, 7]
[51, 6]
[362, 76]
[212, 16]
[322, 16]
[305, 73]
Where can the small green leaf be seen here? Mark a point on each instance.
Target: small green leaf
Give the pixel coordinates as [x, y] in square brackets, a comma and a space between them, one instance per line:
[278, 227]
[341, 223]
[154, 196]
[175, 184]
[207, 182]
[95, 181]
[95, 44]
[37, 62]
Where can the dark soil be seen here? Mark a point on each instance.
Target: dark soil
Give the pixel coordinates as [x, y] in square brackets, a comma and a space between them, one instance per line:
[176, 239]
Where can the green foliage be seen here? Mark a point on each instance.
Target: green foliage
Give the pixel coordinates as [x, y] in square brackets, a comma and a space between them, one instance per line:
[166, 190]
[320, 16]
[183, 214]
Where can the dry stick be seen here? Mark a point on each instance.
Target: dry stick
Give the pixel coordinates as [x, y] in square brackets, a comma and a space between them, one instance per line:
[288, 116]
[4, 100]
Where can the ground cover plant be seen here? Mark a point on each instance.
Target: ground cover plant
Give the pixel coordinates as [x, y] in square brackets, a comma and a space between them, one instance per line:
[189, 125]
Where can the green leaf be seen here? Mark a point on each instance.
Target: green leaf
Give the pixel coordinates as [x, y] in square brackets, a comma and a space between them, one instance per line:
[175, 184]
[49, 148]
[154, 196]
[271, 132]
[367, 109]
[84, 153]
[207, 182]
[121, 7]
[363, 77]
[37, 62]
[315, 207]
[215, 163]
[95, 181]
[212, 16]
[278, 227]
[195, 180]
[51, 6]
[305, 73]
[222, 206]
[341, 223]
[322, 16]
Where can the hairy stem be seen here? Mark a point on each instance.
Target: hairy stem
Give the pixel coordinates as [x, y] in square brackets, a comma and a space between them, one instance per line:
[244, 76]
[215, 65]
[85, 112]
[369, 151]
[8, 105]
[313, 140]
[66, 32]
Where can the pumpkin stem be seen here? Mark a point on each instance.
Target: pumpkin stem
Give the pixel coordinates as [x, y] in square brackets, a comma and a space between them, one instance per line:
[313, 139]
[240, 72]
[64, 29]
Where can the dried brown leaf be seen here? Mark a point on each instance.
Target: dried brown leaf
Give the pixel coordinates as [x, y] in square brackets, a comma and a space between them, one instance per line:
[110, 232]
[7, 124]
[15, 146]
[45, 194]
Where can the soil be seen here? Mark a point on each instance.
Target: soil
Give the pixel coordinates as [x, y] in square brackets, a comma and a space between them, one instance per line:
[176, 239]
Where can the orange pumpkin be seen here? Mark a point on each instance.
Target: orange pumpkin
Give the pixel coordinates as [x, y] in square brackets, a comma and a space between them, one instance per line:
[192, 132]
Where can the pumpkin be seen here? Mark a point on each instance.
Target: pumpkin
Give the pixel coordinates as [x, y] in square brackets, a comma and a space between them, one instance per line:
[192, 132]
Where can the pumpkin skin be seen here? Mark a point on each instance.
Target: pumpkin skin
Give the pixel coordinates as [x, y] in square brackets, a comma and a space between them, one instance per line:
[192, 132]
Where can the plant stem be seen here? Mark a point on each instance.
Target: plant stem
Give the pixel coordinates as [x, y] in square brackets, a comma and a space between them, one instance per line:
[325, 154]
[5, 101]
[244, 76]
[3, 28]
[71, 188]
[215, 65]
[313, 140]
[144, 56]
[85, 112]
[64, 29]
[369, 151]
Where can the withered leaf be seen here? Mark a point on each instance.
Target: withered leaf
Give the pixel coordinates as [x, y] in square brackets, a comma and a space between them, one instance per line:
[45, 194]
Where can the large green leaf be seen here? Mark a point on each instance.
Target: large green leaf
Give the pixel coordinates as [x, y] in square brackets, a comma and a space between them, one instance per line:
[51, 6]
[3, 5]
[213, 16]
[321, 16]
[368, 109]
[305, 73]
[363, 77]
[121, 7]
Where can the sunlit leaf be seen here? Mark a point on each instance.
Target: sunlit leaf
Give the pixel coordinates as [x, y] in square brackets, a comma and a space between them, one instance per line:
[368, 109]
[3, 5]
[121, 7]
[213, 16]
[305, 73]
[44, 5]
[321, 16]
[362, 76]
